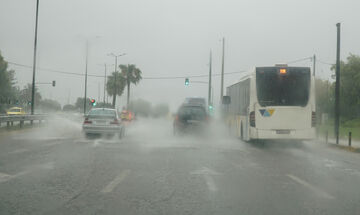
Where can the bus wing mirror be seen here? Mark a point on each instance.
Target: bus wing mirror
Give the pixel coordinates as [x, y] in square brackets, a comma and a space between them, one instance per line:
[226, 100]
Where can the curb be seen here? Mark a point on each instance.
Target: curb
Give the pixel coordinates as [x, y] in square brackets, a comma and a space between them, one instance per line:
[347, 148]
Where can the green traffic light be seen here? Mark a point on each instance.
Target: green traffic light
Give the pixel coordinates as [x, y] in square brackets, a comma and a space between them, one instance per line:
[186, 82]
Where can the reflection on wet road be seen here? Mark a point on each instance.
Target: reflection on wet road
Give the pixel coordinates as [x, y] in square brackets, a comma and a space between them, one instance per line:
[55, 170]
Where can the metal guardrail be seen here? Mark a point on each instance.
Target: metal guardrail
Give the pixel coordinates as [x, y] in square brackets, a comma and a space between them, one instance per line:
[10, 119]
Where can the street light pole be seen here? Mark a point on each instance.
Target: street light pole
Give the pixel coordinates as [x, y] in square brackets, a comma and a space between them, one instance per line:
[314, 64]
[34, 62]
[115, 85]
[209, 92]
[86, 69]
[337, 85]
[104, 84]
[222, 71]
[115, 75]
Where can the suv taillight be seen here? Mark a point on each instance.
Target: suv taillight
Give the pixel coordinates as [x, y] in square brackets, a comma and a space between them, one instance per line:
[313, 119]
[87, 121]
[252, 119]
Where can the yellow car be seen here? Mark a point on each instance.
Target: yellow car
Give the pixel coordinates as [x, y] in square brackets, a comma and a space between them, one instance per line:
[15, 111]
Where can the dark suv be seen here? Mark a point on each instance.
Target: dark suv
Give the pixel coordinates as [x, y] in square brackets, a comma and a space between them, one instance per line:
[190, 118]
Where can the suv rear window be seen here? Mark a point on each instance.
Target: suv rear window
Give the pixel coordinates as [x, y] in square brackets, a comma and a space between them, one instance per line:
[192, 112]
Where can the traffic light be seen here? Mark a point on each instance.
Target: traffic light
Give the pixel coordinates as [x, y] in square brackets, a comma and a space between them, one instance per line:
[53, 83]
[186, 82]
[93, 102]
[211, 108]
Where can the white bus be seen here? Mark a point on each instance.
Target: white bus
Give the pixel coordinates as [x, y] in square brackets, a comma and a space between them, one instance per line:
[273, 103]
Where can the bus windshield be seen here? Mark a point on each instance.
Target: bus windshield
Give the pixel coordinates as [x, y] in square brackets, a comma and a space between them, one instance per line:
[290, 88]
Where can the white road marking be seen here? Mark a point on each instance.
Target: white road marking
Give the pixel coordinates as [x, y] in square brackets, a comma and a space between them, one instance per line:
[96, 143]
[5, 177]
[210, 183]
[207, 173]
[111, 186]
[18, 151]
[311, 187]
[47, 166]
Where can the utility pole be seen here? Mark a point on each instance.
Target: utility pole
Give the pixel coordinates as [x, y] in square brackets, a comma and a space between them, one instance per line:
[69, 94]
[86, 70]
[34, 62]
[99, 92]
[209, 92]
[128, 86]
[314, 63]
[104, 84]
[115, 76]
[222, 71]
[337, 85]
[115, 85]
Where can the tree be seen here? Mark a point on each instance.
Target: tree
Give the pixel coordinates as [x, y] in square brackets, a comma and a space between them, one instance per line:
[8, 91]
[140, 107]
[49, 105]
[110, 86]
[69, 107]
[324, 97]
[160, 110]
[350, 87]
[25, 95]
[132, 75]
[79, 104]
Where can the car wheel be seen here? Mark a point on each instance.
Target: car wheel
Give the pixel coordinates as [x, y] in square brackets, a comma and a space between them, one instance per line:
[88, 136]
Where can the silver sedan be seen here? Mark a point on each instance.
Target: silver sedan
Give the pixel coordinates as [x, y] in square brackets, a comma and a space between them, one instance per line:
[103, 121]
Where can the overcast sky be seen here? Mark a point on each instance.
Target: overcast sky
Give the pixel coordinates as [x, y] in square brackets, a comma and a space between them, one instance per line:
[170, 38]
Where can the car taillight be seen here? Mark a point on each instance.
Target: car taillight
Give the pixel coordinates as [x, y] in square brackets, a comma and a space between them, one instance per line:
[313, 119]
[87, 121]
[177, 117]
[115, 122]
[252, 119]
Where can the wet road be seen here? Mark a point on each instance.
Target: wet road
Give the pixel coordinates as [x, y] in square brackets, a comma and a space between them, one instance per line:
[55, 170]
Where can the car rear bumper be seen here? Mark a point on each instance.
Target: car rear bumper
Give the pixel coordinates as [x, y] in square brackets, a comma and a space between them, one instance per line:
[93, 129]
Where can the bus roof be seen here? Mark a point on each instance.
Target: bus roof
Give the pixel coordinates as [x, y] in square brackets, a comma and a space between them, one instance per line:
[251, 72]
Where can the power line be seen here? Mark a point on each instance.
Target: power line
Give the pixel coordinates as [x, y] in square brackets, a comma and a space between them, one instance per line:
[323, 62]
[191, 76]
[53, 70]
[102, 76]
[299, 60]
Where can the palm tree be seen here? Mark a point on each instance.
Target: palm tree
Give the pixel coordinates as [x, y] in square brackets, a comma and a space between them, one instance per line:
[120, 85]
[132, 75]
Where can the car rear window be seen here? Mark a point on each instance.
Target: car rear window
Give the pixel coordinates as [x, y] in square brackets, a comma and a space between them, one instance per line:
[102, 113]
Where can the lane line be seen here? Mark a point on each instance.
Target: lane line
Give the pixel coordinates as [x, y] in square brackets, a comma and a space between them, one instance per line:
[210, 183]
[97, 143]
[120, 178]
[311, 187]
[18, 151]
[5, 177]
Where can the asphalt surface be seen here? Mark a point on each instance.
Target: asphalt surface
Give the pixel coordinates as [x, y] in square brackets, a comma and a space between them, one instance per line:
[55, 170]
